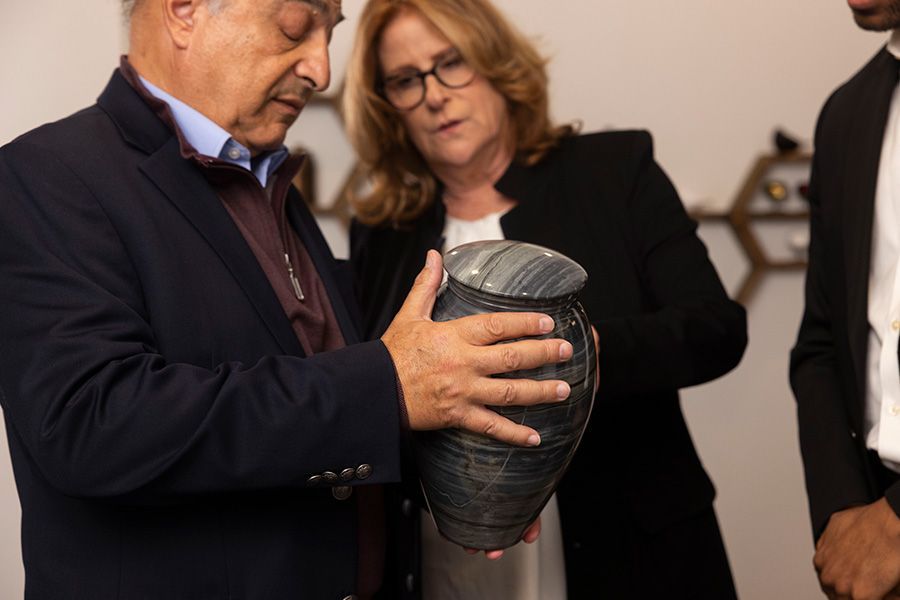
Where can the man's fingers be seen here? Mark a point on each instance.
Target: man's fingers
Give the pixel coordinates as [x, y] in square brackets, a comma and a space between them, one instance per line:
[420, 301]
[524, 354]
[484, 421]
[483, 330]
[818, 561]
[520, 392]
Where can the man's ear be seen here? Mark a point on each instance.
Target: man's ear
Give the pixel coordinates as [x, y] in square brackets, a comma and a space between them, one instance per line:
[178, 18]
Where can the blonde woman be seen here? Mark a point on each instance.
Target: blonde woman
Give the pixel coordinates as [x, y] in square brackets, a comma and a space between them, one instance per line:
[446, 104]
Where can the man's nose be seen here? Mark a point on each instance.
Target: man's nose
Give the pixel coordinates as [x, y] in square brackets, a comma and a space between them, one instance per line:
[314, 65]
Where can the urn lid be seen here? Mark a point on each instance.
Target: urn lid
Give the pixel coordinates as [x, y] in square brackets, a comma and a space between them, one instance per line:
[514, 270]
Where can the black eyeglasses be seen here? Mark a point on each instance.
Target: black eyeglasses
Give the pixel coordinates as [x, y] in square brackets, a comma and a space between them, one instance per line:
[406, 90]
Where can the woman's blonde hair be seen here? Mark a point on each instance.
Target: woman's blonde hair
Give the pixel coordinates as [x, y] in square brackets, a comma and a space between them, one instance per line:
[402, 184]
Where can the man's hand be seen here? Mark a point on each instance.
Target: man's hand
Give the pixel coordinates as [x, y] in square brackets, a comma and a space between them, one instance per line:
[858, 554]
[445, 368]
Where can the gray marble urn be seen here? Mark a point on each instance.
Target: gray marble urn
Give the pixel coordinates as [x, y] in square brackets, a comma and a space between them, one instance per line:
[483, 493]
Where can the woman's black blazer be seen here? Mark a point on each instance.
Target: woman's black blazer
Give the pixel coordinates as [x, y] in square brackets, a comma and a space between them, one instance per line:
[663, 317]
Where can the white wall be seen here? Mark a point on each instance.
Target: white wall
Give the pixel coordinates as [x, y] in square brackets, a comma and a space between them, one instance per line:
[710, 79]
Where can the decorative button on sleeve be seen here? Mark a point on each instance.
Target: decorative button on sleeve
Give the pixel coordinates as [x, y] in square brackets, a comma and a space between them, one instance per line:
[341, 492]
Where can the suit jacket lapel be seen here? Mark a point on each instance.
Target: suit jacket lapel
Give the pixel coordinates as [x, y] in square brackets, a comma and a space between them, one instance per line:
[184, 185]
[188, 190]
[863, 156]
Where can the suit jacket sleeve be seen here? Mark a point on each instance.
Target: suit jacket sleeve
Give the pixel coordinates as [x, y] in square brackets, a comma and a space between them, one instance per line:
[835, 474]
[100, 409]
[690, 331]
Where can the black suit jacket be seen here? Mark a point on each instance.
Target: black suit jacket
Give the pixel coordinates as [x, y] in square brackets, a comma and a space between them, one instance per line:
[662, 315]
[828, 363]
[162, 419]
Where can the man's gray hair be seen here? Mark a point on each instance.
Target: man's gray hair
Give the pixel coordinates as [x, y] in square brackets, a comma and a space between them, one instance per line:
[128, 6]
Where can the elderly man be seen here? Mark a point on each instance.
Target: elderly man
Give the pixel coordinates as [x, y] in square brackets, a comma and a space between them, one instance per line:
[189, 412]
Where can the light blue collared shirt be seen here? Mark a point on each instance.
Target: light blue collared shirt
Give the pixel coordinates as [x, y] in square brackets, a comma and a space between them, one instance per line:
[209, 139]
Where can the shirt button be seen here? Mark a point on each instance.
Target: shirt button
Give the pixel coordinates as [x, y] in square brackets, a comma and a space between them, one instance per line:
[234, 154]
[895, 410]
[895, 325]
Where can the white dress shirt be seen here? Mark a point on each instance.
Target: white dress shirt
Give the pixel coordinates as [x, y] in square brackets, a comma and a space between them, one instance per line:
[882, 415]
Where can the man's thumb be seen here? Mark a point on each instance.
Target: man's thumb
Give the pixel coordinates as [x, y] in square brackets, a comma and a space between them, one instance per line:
[420, 300]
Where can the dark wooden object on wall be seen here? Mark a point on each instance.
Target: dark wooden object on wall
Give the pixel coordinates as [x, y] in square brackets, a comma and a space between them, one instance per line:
[305, 180]
[743, 214]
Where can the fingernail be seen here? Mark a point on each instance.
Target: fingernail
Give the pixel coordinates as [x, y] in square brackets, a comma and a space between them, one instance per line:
[546, 324]
[534, 440]
[563, 390]
[429, 260]
[565, 351]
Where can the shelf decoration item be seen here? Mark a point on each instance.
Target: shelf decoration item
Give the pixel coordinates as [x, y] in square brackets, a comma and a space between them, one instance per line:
[483, 493]
[775, 190]
[770, 213]
[784, 142]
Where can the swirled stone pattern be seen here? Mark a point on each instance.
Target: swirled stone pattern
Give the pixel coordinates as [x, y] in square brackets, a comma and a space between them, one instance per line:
[483, 493]
[513, 269]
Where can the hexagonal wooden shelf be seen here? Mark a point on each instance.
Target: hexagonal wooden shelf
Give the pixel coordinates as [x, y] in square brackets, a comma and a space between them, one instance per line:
[305, 180]
[764, 199]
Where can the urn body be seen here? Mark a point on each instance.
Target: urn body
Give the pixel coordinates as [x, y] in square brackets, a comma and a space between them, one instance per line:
[483, 493]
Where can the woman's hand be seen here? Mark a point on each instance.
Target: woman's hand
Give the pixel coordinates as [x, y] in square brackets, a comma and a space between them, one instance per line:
[529, 537]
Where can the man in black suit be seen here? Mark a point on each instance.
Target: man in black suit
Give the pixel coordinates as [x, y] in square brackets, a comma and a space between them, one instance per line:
[189, 412]
[844, 367]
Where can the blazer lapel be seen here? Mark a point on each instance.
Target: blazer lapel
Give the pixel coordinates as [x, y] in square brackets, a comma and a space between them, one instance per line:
[188, 190]
[184, 185]
[860, 182]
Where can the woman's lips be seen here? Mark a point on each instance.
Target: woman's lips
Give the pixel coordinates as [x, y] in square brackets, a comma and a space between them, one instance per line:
[448, 126]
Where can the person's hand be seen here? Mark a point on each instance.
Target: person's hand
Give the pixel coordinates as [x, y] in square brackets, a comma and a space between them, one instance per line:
[445, 368]
[858, 555]
[529, 537]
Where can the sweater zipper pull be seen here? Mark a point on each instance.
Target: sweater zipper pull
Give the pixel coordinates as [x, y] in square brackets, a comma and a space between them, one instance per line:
[295, 283]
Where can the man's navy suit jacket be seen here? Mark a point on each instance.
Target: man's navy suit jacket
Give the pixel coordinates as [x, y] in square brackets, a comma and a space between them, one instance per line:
[163, 422]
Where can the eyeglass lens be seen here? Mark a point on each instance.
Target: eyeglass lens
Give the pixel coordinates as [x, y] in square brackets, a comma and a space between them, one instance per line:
[406, 91]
